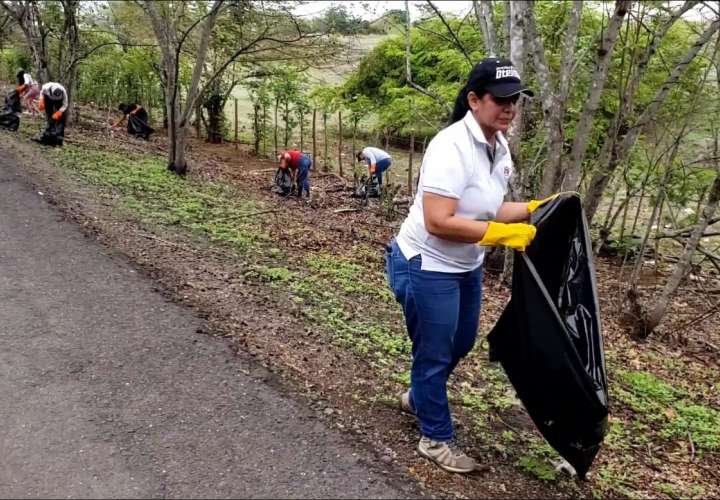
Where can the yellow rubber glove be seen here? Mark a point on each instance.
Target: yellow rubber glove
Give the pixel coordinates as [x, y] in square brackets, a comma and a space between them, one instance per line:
[535, 204]
[57, 115]
[517, 236]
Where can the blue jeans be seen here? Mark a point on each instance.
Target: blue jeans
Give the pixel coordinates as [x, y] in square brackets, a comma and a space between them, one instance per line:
[303, 175]
[381, 167]
[442, 312]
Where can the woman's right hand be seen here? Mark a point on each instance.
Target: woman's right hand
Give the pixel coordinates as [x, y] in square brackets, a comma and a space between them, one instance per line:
[516, 236]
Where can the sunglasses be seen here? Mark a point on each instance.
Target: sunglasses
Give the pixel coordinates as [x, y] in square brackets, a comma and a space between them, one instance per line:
[505, 101]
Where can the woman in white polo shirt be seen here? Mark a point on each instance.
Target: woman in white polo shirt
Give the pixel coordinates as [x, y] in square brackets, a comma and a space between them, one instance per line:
[434, 265]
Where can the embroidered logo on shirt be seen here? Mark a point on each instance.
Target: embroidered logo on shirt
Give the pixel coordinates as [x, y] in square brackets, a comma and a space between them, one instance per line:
[507, 171]
[506, 72]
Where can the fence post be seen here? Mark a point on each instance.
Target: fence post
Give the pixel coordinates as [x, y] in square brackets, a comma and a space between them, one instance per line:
[340, 138]
[236, 124]
[410, 164]
[314, 138]
[325, 141]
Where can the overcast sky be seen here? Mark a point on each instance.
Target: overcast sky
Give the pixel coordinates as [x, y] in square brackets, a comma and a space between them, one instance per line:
[372, 9]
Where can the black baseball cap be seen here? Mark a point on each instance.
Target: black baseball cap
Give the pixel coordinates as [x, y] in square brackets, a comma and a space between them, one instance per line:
[499, 77]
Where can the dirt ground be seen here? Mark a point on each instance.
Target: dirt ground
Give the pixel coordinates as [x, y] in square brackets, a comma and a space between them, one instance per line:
[336, 382]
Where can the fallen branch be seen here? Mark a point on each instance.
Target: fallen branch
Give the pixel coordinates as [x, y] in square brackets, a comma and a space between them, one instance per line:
[343, 210]
[253, 214]
[261, 171]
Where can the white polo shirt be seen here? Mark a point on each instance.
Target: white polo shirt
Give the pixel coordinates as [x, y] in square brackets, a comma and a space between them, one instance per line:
[457, 165]
[47, 91]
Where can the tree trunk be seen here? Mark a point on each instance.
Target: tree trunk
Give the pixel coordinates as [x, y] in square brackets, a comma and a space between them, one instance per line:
[354, 140]
[215, 105]
[275, 128]
[587, 117]
[235, 101]
[164, 22]
[68, 62]
[410, 164]
[264, 128]
[198, 120]
[621, 152]
[256, 125]
[340, 142]
[658, 310]
[518, 12]
[487, 26]
[554, 100]
[27, 15]
[286, 118]
[179, 164]
[302, 131]
[314, 137]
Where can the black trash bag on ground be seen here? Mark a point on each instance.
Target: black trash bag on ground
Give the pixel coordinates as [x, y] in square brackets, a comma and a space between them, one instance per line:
[283, 182]
[54, 133]
[138, 126]
[10, 112]
[367, 188]
[548, 338]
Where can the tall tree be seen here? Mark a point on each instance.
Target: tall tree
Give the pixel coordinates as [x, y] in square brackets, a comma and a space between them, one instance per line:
[619, 149]
[604, 52]
[554, 97]
[483, 13]
[27, 14]
[273, 31]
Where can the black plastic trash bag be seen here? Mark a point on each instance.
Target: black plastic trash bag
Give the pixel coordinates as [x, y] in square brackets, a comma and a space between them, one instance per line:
[548, 338]
[54, 133]
[10, 112]
[367, 187]
[138, 126]
[283, 182]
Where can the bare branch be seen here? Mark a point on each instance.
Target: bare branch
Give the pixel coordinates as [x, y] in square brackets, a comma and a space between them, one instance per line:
[450, 30]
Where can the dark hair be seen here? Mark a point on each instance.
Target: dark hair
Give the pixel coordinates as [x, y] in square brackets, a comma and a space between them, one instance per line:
[125, 108]
[21, 77]
[359, 156]
[476, 83]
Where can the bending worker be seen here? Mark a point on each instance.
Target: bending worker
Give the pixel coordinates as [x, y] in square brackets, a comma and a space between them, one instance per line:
[29, 89]
[435, 264]
[137, 120]
[299, 164]
[378, 161]
[54, 101]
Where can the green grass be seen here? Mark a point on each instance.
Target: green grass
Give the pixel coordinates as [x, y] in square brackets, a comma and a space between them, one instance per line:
[667, 409]
[145, 188]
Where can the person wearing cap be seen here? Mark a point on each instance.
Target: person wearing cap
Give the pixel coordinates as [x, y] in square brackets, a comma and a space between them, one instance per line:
[378, 161]
[435, 263]
[29, 89]
[299, 164]
[54, 101]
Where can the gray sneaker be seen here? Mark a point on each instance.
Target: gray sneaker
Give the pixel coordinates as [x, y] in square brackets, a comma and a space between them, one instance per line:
[405, 404]
[445, 456]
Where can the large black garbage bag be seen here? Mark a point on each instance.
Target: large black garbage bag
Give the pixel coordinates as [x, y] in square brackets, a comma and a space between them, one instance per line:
[283, 182]
[137, 125]
[54, 133]
[10, 112]
[548, 338]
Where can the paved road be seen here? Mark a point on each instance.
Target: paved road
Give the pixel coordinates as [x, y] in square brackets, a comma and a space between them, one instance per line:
[106, 389]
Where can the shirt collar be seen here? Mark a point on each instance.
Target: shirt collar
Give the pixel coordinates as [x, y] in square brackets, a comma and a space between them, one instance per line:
[478, 135]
